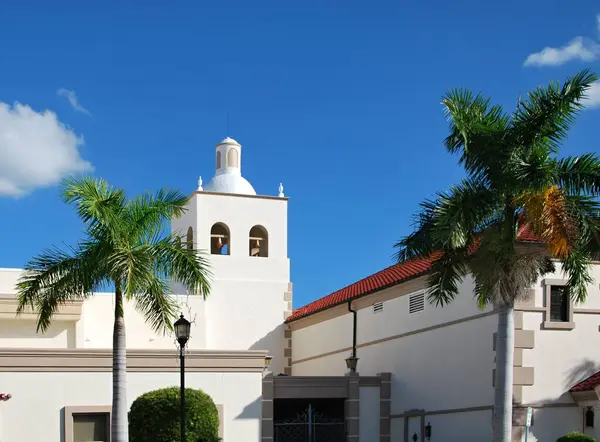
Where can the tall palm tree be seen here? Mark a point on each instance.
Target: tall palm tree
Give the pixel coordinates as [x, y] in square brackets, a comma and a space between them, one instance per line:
[125, 246]
[514, 180]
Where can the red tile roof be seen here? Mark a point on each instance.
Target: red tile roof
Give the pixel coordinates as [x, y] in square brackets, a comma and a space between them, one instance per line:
[588, 384]
[388, 277]
[385, 278]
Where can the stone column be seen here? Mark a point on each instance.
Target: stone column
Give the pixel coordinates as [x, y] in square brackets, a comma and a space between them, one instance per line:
[352, 407]
[268, 394]
[385, 407]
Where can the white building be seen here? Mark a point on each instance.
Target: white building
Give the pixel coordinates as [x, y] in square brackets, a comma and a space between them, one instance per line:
[58, 379]
[442, 359]
[420, 366]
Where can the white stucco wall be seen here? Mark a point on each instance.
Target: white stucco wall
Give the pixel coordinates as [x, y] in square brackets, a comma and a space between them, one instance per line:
[246, 306]
[368, 412]
[8, 280]
[551, 423]
[97, 321]
[432, 368]
[21, 333]
[449, 368]
[42, 396]
[475, 426]
[562, 358]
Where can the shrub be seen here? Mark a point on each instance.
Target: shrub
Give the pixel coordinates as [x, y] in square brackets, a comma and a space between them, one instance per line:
[576, 437]
[154, 417]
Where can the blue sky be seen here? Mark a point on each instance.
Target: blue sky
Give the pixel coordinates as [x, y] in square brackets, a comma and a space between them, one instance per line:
[338, 100]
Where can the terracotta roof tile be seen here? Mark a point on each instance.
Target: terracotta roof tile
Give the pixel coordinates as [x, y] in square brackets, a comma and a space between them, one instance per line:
[388, 277]
[588, 384]
[378, 281]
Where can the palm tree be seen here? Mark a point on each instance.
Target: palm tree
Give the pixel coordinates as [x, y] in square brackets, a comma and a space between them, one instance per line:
[125, 246]
[514, 180]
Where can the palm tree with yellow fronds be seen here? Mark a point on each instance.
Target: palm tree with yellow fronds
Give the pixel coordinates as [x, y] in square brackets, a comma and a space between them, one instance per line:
[515, 179]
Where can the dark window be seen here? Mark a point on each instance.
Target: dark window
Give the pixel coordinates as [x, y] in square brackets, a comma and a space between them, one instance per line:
[90, 427]
[589, 417]
[559, 303]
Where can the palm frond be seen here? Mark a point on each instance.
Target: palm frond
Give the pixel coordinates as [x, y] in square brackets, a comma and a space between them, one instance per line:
[549, 215]
[446, 274]
[98, 204]
[549, 112]
[476, 133]
[153, 301]
[451, 221]
[189, 267]
[56, 277]
[577, 267]
[579, 175]
[147, 213]
[420, 241]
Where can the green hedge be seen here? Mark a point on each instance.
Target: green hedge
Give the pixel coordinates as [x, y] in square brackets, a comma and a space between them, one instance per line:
[576, 437]
[154, 417]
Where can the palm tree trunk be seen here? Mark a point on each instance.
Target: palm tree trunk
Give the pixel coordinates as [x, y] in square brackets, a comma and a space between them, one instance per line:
[503, 396]
[119, 425]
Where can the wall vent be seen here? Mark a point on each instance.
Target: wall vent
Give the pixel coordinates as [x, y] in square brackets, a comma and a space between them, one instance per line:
[416, 303]
[377, 307]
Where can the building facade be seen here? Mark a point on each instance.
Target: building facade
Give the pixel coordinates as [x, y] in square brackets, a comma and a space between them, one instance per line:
[62, 379]
[442, 360]
[422, 371]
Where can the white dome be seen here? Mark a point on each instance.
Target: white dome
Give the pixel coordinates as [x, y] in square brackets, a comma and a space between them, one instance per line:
[230, 183]
[229, 140]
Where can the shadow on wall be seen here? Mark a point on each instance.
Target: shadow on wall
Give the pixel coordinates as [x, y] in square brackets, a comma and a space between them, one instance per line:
[274, 343]
[251, 411]
[551, 421]
[579, 372]
[62, 424]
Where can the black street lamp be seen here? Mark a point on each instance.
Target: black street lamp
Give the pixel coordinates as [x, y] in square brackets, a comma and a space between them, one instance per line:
[182, 332]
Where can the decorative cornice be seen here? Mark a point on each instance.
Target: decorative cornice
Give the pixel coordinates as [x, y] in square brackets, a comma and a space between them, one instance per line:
[68, 312]
[92, 360]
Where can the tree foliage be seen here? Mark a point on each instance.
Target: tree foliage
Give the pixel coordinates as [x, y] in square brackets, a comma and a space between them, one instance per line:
[515, 180]
[576, 437]
[125, 245]
[155, 417]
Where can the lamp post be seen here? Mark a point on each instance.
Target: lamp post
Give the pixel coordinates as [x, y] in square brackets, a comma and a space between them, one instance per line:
[352, 362]
[182, 332]
[428, 431]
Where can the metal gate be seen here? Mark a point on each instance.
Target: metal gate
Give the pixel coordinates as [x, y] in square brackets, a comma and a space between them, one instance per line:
[311, 426]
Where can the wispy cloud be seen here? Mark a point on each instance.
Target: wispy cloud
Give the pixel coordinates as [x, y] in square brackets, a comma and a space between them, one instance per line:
[580, 48]
[593, 96]
[598, 24]
[73, 101]
[36, 149]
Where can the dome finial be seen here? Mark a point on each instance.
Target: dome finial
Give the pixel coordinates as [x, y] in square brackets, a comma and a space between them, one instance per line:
[281, 195]
[200, 183]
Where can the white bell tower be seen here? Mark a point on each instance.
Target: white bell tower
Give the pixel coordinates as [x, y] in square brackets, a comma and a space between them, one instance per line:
[244, 237]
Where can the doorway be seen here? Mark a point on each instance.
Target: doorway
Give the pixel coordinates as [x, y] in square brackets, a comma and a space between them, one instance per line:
[309, 420]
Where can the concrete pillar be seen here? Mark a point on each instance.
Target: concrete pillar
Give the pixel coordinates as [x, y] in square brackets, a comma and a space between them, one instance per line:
[385, 407]
[352, 407]
[268, 394]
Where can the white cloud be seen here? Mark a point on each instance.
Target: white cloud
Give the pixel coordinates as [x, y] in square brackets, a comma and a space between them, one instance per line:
[578, 49]
[73, 101]
[598, 24]
[593, 96]
[36, 150]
